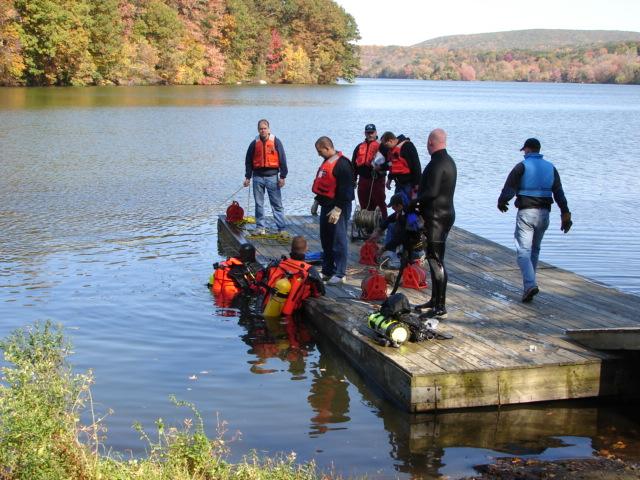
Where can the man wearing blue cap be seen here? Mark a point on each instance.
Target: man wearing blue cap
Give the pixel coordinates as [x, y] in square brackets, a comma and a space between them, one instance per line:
[536, 184]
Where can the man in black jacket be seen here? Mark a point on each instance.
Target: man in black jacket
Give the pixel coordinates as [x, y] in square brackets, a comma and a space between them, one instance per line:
[333, 187]
[435, 204]
[403, 163]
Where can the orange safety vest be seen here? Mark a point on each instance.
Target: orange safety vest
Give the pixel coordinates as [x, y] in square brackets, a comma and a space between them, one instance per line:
[399, 164]
[297, 271]
[366, 153]
[326, 183]
[222, 282]
[265, 154]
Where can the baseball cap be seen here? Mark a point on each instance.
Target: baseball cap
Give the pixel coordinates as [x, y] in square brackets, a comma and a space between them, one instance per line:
[395, 200]
[532, 143]
[370, 127]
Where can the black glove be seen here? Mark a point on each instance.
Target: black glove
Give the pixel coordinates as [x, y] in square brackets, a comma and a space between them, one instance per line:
[503, 207]
[412, 206]
[565, 226]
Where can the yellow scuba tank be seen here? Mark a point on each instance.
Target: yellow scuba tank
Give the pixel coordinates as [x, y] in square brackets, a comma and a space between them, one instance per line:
[273, 308]
[391, 329]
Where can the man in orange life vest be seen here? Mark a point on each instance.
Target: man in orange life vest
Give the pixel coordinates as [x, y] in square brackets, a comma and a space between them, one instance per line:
[305, 279]
[235, 276]
[333, 187]
[403, 163]
[266, 162]
[371, 192]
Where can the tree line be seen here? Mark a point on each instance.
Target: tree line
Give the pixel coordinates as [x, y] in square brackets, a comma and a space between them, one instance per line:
[617, 62]
[132, 42]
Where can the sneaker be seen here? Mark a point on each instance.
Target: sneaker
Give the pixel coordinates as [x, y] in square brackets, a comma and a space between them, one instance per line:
[335, 280]
[422, 306]
[436, 312]
[529, 294]
[260, 231]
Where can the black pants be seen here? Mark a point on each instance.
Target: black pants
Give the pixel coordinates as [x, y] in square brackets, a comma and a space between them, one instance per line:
[436, 232]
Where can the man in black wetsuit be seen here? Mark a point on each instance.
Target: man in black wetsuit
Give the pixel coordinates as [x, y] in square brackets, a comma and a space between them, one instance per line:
[435, 204]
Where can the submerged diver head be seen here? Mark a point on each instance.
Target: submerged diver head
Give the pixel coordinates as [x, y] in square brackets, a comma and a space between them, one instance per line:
[247, 253]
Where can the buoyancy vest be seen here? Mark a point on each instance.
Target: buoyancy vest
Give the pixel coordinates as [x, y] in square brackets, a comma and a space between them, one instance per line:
[265, 154]
[223, 283]
[399, 164]
[366, 153]
[297, 272]
[325, 183]
[538, 176]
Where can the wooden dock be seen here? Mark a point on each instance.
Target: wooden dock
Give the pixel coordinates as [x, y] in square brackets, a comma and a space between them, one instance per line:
[503, 351]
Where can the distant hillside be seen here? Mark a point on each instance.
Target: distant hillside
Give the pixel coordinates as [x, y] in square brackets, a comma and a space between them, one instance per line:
[535, 39]
[577, 56]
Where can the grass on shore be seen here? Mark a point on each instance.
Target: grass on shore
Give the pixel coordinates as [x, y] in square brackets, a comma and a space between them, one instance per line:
[42, 437]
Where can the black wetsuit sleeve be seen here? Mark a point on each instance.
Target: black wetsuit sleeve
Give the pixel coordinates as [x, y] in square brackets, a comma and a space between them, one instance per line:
[316, 281]
[409, 152]
[512, 184]
[344, 180]
[353, 163]
[284, 171]
[248, 160]
[558, 192]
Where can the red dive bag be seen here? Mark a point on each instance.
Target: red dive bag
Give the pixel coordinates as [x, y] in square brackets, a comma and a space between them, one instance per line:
[414, 276]
[374, 286]
[368, 253]
[235, 213]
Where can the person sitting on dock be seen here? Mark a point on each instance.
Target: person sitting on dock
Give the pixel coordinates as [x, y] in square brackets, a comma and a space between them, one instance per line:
[403, 163]
[265, 160]
[370, 180]
[396, 232]
[536, 184]
[333, 187]
[305, 281]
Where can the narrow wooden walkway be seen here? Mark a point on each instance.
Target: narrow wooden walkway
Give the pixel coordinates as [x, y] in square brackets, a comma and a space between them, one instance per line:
[503, 351]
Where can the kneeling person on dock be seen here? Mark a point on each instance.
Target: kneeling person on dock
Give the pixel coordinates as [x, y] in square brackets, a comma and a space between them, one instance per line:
[304, 280]
[333, 187]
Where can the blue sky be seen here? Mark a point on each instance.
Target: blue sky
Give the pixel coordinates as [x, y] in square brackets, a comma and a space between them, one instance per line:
[406, 22]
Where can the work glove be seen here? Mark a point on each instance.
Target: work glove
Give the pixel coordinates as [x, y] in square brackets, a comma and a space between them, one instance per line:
[565, 226]
[314, 208]
[503, 207]
[334, 215]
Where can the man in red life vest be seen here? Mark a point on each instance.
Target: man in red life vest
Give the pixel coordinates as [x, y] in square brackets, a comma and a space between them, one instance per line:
[403, 163]
[304, 278]
[333, 187]
[370, 180]
[266, 162]
[236, 275]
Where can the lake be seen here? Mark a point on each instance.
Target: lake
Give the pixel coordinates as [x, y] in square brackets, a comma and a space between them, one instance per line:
[108, 207]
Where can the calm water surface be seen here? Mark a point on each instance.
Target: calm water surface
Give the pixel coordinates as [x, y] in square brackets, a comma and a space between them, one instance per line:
[108, 198]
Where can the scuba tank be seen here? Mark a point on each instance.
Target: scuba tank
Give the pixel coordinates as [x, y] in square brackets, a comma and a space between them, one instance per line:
[273, 308]
[391, 330]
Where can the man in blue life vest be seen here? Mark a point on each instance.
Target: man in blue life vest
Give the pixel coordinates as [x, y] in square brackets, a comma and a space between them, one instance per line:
[333, 187]
[266, 162]
[536, 184]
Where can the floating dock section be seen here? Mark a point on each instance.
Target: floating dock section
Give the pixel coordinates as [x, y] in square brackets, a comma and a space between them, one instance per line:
[502, 351]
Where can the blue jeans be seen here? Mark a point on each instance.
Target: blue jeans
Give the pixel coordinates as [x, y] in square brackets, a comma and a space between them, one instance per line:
[335, 244]
[531, 223]
[270, 184]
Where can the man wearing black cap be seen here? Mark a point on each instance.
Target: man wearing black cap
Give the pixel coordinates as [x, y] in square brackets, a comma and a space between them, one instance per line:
[370, 180]
[536, 184]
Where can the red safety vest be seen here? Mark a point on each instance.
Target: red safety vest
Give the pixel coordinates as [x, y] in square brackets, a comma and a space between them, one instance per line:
[265, 154]
[366, 153]
[297, 272]
[222, 282]
[325, 183]
[399, 164]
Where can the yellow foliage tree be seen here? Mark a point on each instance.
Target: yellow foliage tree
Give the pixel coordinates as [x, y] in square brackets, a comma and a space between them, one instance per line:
[297, 66]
